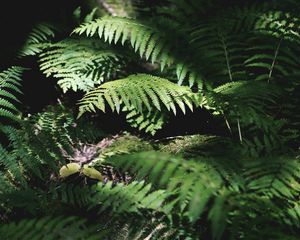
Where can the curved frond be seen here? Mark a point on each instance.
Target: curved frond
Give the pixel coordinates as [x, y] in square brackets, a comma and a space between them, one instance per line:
[132, 198]
[146, 40]
[9, 88]
[80, 64]
[150, 122]
[274, 177]
[205, 189]
[40, 34]
[47, 228]
[140, 91]
[171, 172]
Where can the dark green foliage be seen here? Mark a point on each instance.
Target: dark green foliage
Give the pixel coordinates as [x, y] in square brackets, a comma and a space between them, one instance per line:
[9, 89]
[242, 55]
[215, 190]
[238, 61]
[129, 199]
[47, 228]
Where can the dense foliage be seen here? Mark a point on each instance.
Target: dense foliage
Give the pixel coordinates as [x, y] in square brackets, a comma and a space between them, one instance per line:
[64, 174]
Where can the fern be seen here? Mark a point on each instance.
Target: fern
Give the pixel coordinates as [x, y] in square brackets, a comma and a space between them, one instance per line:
[40, 34]
[241, 64]
[140, 91]
[226, 193]
[39, 142]
[128, 199]
[47, 228]
[245, 106]
[80, 64]
[243, 100]
[219, 52]
[175, 169]
[8, 162]
[223, 51]
[71, 194]
[274, 178]
[150, 122]
[9, 89]
[279, 24]
[145, 40]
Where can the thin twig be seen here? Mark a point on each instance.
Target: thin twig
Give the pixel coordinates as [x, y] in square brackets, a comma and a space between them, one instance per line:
[227, 123]
[239, 129]
[274, 60]
[157, 228]
[108, 8]
[226, 56]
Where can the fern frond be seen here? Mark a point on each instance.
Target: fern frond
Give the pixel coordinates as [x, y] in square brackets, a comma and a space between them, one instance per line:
[80, 64]
[9, 88]
[40, 34]
[185, 179]
[150, 122]
[279, 24]
[139, 91]
[242, 100]
[278, 60]
[10, 166]
[72, 194]
[118, 199]
[243, 104]
[146, 40]
[131, 198]
[41, 141]
[225, 194]
[293, 215]
[47, 228]
[279, 178]
[221, 54]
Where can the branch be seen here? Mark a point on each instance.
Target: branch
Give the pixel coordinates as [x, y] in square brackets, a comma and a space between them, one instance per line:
[108, 8]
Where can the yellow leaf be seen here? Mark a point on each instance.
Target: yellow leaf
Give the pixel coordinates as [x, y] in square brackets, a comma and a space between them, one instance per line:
[92, 173]
[69, 169]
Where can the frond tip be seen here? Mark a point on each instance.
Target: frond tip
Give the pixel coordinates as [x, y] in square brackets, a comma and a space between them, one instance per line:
[41, 34]
[150, 122]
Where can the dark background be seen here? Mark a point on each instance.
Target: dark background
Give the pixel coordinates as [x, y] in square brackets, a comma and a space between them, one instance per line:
[18, 17]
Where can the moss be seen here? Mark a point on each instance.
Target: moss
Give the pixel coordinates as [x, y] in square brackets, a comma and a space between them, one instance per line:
[123, 144]
[129, 143]
[196, 145]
